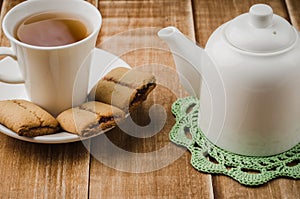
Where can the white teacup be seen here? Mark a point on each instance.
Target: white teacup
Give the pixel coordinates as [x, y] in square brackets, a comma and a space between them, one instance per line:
[49, 73]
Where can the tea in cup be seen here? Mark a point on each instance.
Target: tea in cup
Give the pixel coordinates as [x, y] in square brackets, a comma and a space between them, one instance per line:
[53, 43]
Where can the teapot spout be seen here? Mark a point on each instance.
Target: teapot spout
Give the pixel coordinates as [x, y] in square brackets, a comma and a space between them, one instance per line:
[187, 57]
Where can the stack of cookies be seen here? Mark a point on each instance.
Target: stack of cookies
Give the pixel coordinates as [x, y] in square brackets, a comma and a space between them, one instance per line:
[115, 95]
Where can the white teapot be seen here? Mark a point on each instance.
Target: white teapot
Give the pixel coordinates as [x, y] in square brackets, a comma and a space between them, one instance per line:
[248, 81]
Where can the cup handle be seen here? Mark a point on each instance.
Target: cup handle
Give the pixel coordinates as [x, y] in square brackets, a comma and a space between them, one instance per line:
[8, 51]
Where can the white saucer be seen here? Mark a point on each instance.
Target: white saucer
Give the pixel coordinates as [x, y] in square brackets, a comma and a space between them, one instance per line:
[102, 63]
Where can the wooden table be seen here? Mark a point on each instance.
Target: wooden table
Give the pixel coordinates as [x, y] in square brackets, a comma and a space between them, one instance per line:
[29, 170]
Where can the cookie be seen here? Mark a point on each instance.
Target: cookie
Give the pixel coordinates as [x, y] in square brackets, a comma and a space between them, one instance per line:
[123, 88]
[27, 119]
[90, 118]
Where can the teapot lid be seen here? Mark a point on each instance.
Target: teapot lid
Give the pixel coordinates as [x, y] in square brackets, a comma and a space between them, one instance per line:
[260, 31]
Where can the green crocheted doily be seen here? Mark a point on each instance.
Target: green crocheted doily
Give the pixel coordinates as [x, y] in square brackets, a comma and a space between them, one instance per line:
[206, 157]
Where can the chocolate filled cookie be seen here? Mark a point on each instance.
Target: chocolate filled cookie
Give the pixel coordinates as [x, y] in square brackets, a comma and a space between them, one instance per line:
[123, 88]
[90, 118]
[27, 119]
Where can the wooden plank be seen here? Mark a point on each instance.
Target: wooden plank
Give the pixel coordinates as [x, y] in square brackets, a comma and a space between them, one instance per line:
[208, 15]
[142, 49]
[29, 170]
[93, 2]
[6, 6]
[294, 12]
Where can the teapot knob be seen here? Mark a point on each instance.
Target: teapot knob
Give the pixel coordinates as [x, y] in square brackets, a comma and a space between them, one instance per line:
[261, 15]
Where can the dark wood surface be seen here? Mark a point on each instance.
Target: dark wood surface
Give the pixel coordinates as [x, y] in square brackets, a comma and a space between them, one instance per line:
[29, 170]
